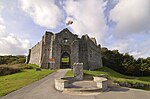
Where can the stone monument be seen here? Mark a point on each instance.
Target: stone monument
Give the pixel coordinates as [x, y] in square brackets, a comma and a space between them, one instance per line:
[78, 85]
[78, 71]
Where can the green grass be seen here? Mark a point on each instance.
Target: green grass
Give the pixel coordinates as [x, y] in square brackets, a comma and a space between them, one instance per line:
[111, 74]
[120, 77]
[32, 66]
[69, 73]
[15, 81]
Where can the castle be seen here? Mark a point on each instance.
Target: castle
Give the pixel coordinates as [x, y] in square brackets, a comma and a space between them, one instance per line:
[63, 49]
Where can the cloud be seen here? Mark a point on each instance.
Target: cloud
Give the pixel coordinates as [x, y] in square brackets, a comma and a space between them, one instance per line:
[131, 16]
[13, 45]
[129, 31]
[88, 17]
[9, 43]
[136, 45]
[132, 29]
[43, 12]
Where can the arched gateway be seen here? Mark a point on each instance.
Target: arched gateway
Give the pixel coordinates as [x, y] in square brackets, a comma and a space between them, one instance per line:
[65, 60]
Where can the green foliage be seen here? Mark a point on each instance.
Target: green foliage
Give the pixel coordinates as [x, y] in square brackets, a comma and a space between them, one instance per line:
[11, 69]
[13, 82]
[31, 66]
[125, 64]
[12, 59]
[5, 70]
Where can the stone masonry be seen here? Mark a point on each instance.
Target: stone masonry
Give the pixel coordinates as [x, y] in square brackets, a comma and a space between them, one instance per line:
[78, 71]
[63, 49]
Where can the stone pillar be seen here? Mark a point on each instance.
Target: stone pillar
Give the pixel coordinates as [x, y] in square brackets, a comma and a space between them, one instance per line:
[78, 71]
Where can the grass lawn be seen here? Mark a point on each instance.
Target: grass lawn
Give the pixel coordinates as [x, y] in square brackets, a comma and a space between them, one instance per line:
[15, 81]
[114, 76]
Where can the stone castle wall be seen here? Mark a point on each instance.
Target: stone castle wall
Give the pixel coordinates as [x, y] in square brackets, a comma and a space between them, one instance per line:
[90, 53]
[46, 48]
[82, 50]
[94, 55]
[71, 47]
[35, 54]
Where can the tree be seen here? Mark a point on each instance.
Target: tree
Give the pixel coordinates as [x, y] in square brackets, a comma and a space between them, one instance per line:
[125, 64]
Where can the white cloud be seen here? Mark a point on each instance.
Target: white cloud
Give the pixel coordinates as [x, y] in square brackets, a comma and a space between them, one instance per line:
[43, 12]
[9, 43]
[13, 45]
[134, 46]
[88, 17]
[131, 16]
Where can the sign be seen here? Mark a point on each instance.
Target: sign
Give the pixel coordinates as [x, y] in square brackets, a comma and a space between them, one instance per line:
[52, 60]
[65, 60]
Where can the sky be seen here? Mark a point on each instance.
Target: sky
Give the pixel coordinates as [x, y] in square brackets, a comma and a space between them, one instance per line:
[116, 24]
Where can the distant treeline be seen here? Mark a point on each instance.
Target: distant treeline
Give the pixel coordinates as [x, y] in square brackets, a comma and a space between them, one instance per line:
[125, 63]
[12, 59]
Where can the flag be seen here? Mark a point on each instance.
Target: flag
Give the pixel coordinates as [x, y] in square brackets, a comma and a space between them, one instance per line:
[69, 22]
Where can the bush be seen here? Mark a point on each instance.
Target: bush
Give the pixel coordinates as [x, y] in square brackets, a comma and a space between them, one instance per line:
[11, 69]
[12, 59]
[8, 70]
[133, 84]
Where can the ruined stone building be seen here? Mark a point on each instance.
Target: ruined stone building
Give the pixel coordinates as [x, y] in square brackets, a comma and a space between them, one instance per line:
[63, 49]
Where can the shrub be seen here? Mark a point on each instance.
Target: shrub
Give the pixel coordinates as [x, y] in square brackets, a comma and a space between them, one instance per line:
[4, 70]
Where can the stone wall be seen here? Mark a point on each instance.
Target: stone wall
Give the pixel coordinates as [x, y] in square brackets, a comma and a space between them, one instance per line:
[90, 53]
[46, 50]
[94, 55]
[71, 47]
[35, 54]
[83, 54]
[74, 52]
[81, 50]
[78, 71]
[56, 53]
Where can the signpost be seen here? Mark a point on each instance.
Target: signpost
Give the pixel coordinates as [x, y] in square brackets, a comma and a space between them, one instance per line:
[51, 60]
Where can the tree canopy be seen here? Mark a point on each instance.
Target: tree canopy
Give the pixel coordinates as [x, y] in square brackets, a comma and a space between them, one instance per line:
[12, 59]
[125, 63]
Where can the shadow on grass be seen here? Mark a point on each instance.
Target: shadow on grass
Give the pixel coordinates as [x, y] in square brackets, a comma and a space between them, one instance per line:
[87, 77]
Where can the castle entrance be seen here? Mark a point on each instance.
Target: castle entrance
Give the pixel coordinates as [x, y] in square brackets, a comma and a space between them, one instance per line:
[65, 60]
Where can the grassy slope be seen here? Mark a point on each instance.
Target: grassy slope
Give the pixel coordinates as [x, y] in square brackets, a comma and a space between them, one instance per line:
[13, 82]
[114, 75]
[120, 77]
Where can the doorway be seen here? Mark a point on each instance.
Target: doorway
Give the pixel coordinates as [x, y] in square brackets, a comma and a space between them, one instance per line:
[65, 60]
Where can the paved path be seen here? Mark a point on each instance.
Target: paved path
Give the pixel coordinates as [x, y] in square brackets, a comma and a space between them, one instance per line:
[44, 89]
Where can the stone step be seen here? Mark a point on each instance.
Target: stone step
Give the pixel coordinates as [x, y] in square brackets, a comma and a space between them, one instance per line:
[88, 89]
[82, 91]
[83, 88]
